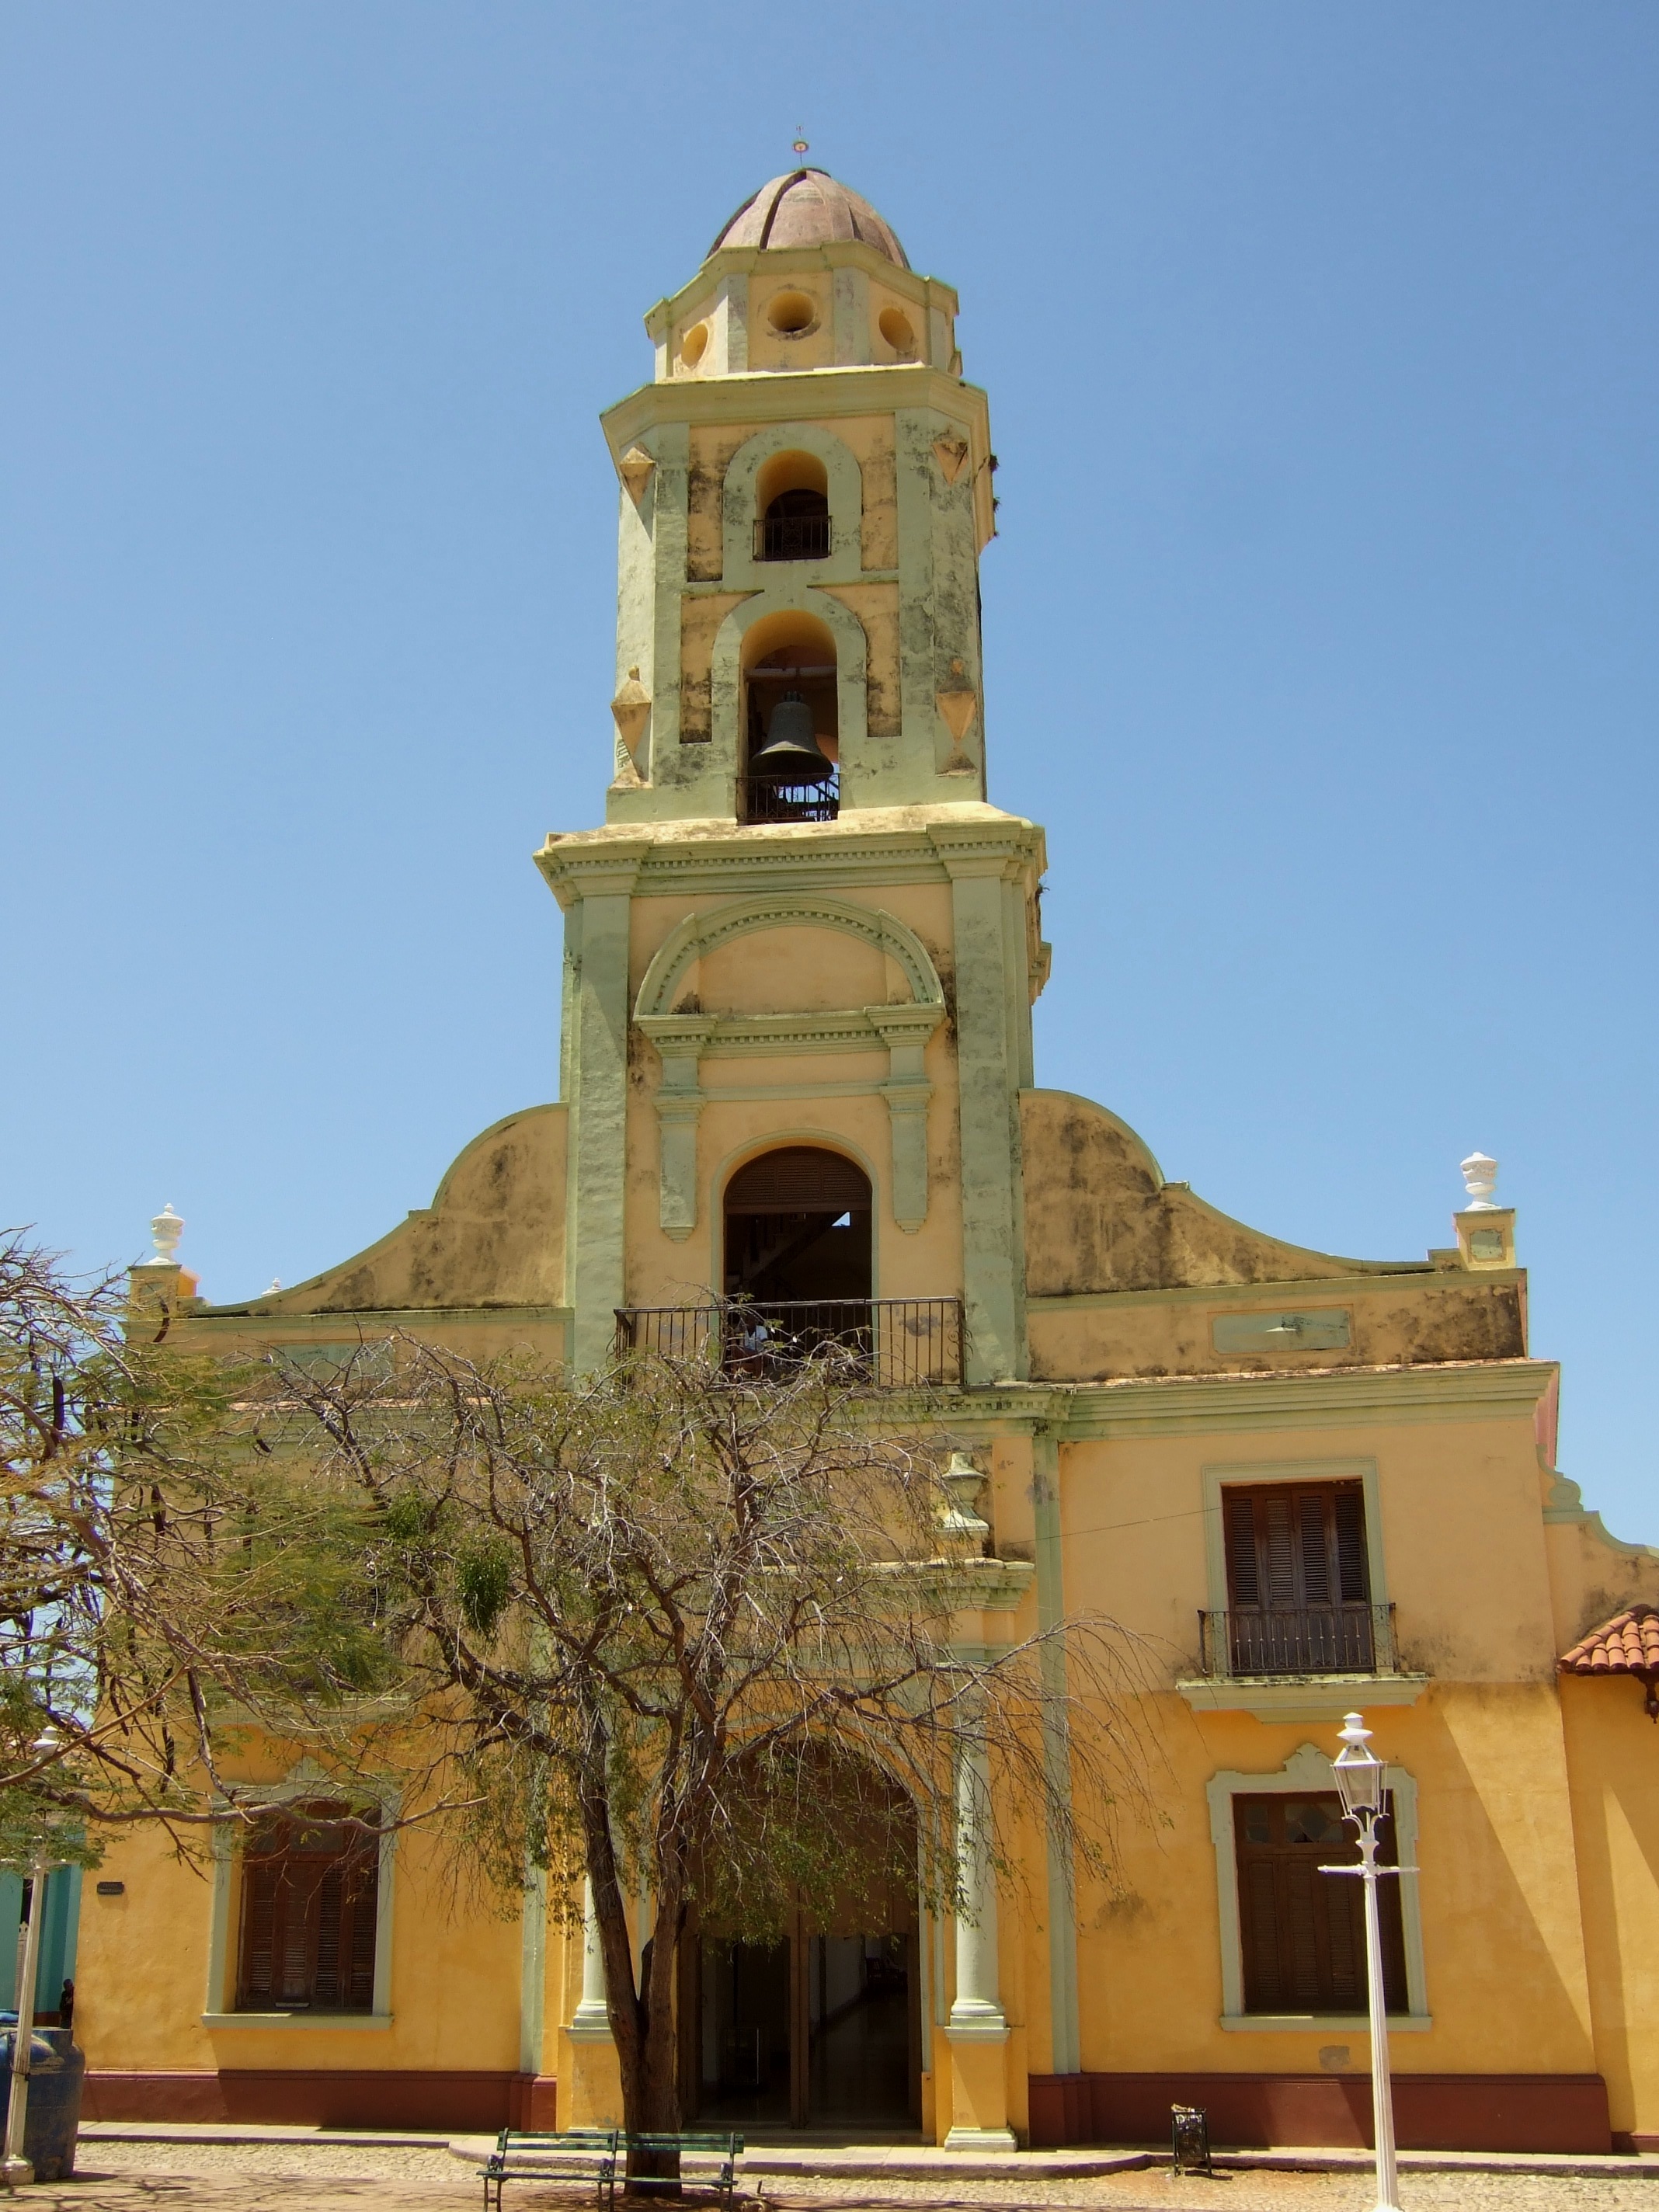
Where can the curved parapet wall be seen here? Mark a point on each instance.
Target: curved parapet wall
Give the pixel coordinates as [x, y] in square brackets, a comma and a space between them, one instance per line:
[1129, 1275]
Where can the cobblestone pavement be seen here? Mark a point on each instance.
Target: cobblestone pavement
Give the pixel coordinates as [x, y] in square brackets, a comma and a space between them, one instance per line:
[305, 2177]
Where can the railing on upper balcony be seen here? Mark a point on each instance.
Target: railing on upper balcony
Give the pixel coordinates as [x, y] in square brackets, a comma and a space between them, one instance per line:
[894, 1344]
[1311, 1639]
[791, 537]
[764, 798]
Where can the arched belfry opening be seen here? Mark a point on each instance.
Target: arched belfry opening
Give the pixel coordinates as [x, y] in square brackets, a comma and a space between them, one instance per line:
[791, 509]
[798, 1229]
[791, 721]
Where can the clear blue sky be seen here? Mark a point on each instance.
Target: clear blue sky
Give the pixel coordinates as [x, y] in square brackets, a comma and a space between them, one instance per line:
[1321, 345]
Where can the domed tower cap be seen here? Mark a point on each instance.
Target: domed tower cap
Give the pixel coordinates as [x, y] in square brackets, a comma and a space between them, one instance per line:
[809, 207]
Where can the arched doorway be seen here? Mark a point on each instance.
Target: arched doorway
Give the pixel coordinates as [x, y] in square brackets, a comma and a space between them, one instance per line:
[798, 1229]
[822, 2026]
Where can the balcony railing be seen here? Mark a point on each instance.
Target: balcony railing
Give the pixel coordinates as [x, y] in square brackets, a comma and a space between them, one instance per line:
[1314, 1639]
[894, 1344]
[763, 798]
[793, 537]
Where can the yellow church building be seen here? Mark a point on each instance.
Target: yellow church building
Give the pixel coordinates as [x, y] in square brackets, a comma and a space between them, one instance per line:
[800, 957]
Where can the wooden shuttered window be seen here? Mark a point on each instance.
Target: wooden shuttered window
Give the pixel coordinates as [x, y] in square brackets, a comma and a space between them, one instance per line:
[1302, 1932]
[310, 1897]
[1298, 1582]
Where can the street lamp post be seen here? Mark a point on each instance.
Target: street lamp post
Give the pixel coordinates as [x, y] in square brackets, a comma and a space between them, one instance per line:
[16, 2166]
[1359, 1775]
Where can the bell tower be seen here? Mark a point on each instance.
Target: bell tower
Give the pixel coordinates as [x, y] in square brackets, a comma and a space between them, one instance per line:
[806, 490]
[802, 925]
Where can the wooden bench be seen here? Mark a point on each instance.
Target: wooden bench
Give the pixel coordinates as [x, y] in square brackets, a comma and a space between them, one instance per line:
[681, 2142]
[588, 2154]
[593, 2154]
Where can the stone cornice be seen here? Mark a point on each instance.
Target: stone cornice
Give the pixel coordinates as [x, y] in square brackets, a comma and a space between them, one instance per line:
[762, 396]
[1495, 1390]
[900, 845]
[591, 870]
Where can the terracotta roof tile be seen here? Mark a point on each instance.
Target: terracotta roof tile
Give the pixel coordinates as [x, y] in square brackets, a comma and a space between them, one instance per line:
[1626, 1644]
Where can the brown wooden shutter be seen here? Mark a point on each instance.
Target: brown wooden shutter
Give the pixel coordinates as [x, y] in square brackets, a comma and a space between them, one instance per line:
[1302, 1932]
[1353, 1578]
[1239, 1510]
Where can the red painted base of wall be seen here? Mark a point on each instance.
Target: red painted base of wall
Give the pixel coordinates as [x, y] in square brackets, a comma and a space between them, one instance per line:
[473, 2104]
[1432, 2112]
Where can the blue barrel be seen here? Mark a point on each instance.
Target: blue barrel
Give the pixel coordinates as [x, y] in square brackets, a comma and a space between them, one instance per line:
[57, 2068]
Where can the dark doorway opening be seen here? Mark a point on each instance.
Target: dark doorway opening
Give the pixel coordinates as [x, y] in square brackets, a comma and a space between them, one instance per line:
[821, 2026]
[797, 1228]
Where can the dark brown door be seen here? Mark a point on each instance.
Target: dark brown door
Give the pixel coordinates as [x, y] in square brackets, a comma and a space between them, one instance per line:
[1302, 1933]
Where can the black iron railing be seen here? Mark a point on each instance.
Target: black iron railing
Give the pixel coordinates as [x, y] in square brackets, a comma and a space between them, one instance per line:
[793, 537]
[1311, 1639]
[764, 798]
[895, 1344]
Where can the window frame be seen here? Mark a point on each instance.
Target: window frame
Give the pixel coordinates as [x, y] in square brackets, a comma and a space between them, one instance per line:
[1307, 1772]
[304, 1783]
[1248, 1475]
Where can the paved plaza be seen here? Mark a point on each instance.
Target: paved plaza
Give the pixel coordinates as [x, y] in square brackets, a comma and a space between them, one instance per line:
[320, 2177]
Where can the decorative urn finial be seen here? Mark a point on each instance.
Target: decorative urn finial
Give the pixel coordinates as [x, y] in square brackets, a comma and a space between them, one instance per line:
[165, 1229]
[1479, 1175]
[961, 1519]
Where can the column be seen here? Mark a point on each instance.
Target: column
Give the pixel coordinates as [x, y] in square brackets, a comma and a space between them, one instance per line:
[993, 1264]
[977, 2030]
[590, 2082]
[535, 2098]
[1067, 2054]
[597, 894]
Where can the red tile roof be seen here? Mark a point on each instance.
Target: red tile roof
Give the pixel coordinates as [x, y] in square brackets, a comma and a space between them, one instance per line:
[1626, 1644]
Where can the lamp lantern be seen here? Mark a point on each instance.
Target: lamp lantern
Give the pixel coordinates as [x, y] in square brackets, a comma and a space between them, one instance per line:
[1358, 1770]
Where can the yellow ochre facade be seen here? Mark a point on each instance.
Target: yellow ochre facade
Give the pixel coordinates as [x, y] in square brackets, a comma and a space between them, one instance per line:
[800, 961]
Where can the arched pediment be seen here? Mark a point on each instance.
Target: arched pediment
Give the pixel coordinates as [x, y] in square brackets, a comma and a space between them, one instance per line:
[700, 934]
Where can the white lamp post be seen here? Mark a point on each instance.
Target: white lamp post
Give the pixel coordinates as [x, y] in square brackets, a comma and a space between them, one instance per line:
[17, 2167]
[1359, 1775]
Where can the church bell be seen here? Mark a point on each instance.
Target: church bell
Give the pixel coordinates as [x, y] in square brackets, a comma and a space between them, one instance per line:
[790, 753]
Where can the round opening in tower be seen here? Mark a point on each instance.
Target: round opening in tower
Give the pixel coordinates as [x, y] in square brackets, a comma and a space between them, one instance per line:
[896, 327]
[792, 314]
[790, 720]
[694, 344]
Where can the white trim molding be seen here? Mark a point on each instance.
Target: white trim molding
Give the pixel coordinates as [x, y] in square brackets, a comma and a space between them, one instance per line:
[1308, 1770]
[306, 1779]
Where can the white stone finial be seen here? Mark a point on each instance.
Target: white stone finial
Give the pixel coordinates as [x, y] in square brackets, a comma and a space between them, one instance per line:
[165, 1229]
[1480, 1176]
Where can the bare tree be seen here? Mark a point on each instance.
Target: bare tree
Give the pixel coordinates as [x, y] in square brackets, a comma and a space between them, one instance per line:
[160, 1583]
[686, 1630]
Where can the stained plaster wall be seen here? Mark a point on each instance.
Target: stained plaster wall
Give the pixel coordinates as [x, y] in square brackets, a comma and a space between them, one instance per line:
[1504, 1958]
[1612, 1763]
[143, 1961]
[1128, 1274]
[1463, 1552]
[794, 969]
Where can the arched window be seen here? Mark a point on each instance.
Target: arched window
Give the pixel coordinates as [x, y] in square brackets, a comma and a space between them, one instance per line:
[791, 509]
[797, 1228]
[791, 721]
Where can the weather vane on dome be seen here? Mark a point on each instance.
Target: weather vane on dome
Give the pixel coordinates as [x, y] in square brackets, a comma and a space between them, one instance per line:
[800, 145]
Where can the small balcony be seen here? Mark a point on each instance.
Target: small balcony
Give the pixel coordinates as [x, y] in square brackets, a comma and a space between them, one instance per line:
[1313, 1639]
[793, 537]
[895, 1344]
[1299, 1663]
